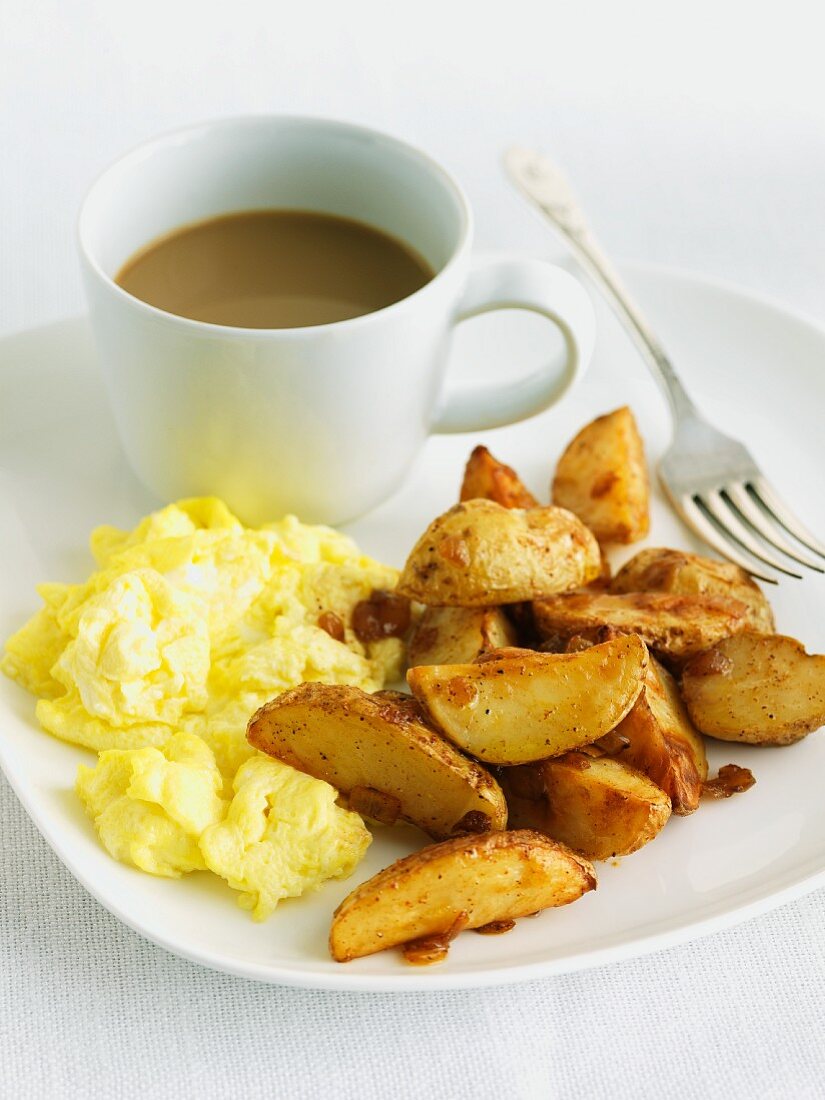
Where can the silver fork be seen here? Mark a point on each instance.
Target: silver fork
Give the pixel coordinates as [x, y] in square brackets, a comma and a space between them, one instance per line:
[712, 480]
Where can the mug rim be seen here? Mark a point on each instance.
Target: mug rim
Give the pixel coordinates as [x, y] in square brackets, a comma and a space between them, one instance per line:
[445, 177]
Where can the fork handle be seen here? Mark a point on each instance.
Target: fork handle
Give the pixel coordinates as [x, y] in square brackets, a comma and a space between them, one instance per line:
[548, 190]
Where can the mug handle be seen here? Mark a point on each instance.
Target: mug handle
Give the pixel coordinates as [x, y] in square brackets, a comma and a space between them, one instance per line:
[541, 288]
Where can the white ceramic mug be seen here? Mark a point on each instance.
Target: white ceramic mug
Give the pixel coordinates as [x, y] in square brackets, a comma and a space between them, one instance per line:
[322, 421]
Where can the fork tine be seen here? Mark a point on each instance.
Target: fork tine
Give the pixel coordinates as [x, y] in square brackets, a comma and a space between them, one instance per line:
[734, 528]
[739, 498]
[697, 519]
[766, 496]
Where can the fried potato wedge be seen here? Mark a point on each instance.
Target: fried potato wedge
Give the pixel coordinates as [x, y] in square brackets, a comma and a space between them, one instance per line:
[663, 742]
[763, 689]
[602, 478]
[479, 554]
[658, 736]
[528, 706]
[595, 805]
[469, 882]
[457, 635]
[381, 742]
[485, 478]
[675, 626]
[684, 574]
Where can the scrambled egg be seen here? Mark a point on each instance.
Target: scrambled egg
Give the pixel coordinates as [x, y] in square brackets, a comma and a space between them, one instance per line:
[141, 653]
[191, 622]
[282, 835]
[150, 806]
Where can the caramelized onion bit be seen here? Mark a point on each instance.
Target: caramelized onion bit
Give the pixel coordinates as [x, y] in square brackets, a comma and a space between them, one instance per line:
[612, 743]
[496, 927]
[434, 948]
[383, 615]
[333, 626]
[474, 821]
[731, 780]
[377, 805]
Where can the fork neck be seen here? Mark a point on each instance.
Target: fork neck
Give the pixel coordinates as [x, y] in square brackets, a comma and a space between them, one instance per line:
[681, 405]
[603, 273]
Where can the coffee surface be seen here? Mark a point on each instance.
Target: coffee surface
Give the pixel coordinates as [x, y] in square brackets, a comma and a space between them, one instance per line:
[274, 269]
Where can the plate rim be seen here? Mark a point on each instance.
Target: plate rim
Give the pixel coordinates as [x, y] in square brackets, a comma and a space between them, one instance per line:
[764, 899]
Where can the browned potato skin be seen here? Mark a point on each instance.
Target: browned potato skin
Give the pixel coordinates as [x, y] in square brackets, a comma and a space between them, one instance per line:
[485, 478]
[677, 627]
[663, 742]
[457, 635]
[493, 877]
[684, 574]
[351, 739]
[597, 806]
[762, 689]
[479, 554]
[602, 477]
[516, 706]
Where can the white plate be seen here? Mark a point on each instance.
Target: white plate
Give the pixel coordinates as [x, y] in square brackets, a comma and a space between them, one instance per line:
[757, 370]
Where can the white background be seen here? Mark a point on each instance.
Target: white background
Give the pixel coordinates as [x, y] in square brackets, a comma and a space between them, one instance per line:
[695, 134]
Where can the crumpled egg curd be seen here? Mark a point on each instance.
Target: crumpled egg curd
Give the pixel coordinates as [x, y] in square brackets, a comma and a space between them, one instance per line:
[189, 624]
[192, 622]
[161, 810]
[150, 805]
[282, 835]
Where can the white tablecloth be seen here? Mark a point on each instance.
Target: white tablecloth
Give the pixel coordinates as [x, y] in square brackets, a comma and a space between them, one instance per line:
[89, 1009]
[696, 139]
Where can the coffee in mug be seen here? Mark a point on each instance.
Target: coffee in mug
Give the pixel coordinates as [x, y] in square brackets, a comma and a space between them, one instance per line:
[274, 269]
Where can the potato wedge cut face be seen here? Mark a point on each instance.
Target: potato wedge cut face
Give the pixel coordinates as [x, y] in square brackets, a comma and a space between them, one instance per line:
[485, 478]
[495, 877]
[597, 806]
[479, 554]
[763, 689]
[684, 574]
[457, 635]
[380, 742]
[676, 627]
[602, 478]
[518, 709]
[663, 742]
